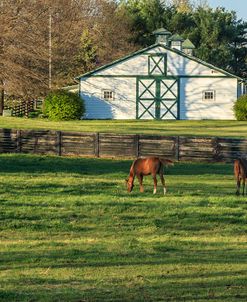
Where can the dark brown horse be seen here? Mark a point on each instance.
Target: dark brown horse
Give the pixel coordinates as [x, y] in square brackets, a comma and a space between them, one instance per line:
[146, 166]
[240, 172]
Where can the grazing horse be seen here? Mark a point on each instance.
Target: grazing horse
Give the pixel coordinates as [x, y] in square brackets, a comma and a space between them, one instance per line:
[240, 171]
[146, 166]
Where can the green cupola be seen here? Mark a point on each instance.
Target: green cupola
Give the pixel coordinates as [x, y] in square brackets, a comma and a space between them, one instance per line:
[176, 42]
[188, 47]
[162, 36]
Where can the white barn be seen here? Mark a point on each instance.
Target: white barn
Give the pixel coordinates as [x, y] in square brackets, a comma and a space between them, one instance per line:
[162, 81]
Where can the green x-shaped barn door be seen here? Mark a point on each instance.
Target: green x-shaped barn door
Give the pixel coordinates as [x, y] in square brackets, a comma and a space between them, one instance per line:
[156, 98]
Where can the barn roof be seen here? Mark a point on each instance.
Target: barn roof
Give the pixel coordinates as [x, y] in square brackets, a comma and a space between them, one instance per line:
[176, 37]
[136, 53]
[187, 44]
[161, 31]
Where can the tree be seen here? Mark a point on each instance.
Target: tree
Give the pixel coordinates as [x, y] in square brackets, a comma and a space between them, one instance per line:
[238, 46]
[219, 37]
[86, 57]
[183, 6]
[146, 16]
[71, 25]
[82, 34]
[22, 57]
[111, 32]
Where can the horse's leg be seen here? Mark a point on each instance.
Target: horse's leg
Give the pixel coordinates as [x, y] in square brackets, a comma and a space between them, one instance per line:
[243, 185]
[163, 181]
[238, 186]
[140, 179]
[155, 183]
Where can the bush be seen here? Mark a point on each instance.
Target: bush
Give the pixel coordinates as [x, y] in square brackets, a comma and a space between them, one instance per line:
[240, 108]
[63, 105]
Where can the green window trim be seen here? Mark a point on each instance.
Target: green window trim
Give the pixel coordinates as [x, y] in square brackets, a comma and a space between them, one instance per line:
[157, 62]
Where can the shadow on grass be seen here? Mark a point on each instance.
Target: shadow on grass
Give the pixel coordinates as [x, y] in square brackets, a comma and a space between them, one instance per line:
[94, 166]
[136, 291]
[129, 284]
[169, 253]
[116, 189]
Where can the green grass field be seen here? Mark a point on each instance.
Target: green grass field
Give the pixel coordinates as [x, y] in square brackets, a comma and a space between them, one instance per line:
[191, 128]
[71, 232]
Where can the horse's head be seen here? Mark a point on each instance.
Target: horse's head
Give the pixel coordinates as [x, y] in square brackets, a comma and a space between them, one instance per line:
[129, 184]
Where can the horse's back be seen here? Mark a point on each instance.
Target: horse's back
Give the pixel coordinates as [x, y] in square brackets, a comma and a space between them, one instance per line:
[146, 165]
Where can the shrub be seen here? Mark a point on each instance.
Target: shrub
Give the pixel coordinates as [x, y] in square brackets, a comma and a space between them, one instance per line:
[240, 108]
[63, 105]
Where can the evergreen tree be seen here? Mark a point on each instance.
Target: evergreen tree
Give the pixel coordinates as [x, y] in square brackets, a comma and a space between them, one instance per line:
[219, 37]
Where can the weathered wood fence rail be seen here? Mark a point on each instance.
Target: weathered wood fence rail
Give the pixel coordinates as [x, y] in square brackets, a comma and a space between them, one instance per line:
[210, 149]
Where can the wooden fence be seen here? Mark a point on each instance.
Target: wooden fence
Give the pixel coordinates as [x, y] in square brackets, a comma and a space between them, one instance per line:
[209, 149]
[19, 107]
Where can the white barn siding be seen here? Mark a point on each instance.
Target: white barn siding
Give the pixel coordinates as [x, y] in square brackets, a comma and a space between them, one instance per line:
[194, 78]
[122, 107]
[192, 105]
[176, 65]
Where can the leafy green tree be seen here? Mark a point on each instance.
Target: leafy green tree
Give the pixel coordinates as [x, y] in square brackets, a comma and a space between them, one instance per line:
[219, 37]
[238, 46]
[86, 57]
[146, 16]
[183, 6]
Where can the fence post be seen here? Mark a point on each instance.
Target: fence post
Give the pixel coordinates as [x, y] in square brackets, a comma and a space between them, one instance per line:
[177, 149]
[96, 145]
[59, 143]
[216, 149]
[18, 141]
[136, 145]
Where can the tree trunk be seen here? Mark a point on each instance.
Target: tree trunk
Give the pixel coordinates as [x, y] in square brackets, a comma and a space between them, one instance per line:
[1, 101]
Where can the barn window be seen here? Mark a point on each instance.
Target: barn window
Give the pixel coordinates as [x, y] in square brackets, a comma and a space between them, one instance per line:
[157, 64]
[108, 95]
[208, 95]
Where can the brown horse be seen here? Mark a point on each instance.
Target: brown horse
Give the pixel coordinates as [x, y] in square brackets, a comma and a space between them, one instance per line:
[146, 166]
[240, 171]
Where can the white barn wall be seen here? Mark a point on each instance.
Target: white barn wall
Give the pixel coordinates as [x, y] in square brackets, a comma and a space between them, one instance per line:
[192, 106]
[122, 107]
[120, 78]
[176, 65]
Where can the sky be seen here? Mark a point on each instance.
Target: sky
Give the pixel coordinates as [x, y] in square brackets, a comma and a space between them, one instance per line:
[239, 6]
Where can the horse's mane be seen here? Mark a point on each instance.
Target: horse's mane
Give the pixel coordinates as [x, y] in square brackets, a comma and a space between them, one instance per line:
[132, 172]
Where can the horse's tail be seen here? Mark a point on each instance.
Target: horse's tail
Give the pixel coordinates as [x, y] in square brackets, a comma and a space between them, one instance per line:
[166, 162]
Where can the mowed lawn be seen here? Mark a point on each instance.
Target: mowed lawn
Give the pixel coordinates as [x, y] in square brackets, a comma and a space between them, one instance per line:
[188, 128]
[71, 232]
